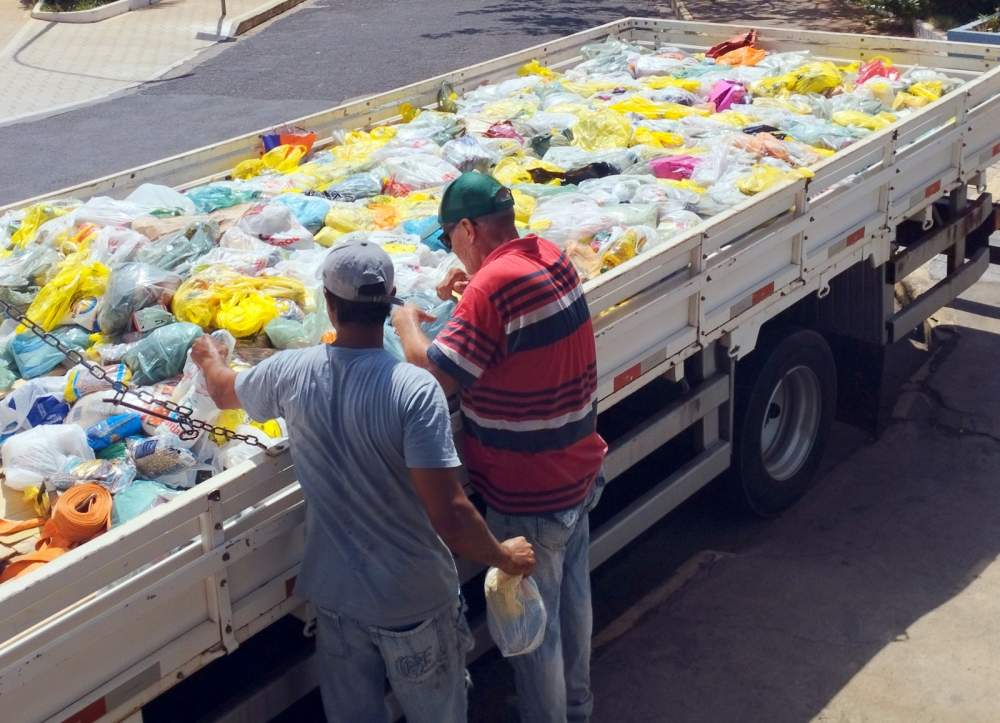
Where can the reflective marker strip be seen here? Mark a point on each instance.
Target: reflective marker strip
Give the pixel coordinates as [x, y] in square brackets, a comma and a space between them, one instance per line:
[851, 239]
[637, 370]
[89, 714]
[752, 300]
[932, 189]
[996, 150]
[628, 376]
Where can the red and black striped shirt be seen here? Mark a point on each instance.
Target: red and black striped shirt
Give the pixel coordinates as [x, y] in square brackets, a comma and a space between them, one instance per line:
[521, 344]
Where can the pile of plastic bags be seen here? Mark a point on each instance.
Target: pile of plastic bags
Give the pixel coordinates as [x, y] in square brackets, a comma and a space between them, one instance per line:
[612, 158]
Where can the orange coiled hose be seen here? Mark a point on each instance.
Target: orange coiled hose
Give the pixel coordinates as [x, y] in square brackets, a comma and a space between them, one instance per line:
[80, 514]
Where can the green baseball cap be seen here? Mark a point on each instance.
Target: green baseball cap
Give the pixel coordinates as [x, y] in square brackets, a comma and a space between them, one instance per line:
[472, 195]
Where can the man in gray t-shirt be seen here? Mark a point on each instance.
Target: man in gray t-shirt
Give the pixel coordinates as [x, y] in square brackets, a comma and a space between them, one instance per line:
[372, 444]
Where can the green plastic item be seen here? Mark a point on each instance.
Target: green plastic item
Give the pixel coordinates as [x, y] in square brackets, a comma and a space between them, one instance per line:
[161, 355]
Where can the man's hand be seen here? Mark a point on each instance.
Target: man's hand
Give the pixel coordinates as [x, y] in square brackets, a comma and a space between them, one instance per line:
[520, 556]
[206, 351]
[408, 316]
[454, 282]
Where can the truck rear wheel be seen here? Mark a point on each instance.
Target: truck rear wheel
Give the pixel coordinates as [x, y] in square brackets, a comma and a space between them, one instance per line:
[786, 397]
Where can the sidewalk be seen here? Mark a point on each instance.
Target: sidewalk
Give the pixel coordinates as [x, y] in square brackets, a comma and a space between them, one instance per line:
[46, 66]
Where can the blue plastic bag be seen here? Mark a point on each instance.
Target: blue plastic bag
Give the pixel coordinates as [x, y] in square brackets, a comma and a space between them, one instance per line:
[34, 357]
[428, 229]
[113, 429]
[221, 195]
[440, 310]
[162, 354]
[141, 495]
[309, 210]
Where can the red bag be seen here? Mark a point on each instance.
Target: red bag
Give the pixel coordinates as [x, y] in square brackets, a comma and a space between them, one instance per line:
[734, 43]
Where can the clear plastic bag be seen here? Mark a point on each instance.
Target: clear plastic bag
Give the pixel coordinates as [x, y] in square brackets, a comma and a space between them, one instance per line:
[133, 286]
[31, 405]
[223, 194]
[468, 153]
[162, 455]
[32, 456]
[162, 201]
[139, 496]
[308, 210]
[113, 474]
[416, 172]
[515, 612]
[116, 246]
[570, 217]
[161, 355]
[178, 251]
[274, 224]
[113, 429]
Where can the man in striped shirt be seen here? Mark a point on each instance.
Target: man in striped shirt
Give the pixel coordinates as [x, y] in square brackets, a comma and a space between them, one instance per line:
[520, 349]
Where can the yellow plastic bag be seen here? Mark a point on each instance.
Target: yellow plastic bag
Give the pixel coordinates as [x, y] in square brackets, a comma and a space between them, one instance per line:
[508, 108]
[602, 130]
[627, 245]
[732, 118]
[762, 177]
[407, 112]
[222, 299]
[863, 120]
[685, 184]
[660, 139]
[347, 217]
[816, 77]
[245, 315]
[535, 68]
[282, 159]
[74, 281]
[34, 217]
[649, 109]
[918, 95]
[524, 206]
[513, 169]
[358, 146]
[659, 82]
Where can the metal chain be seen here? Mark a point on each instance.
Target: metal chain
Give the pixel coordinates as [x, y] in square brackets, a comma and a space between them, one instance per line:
[173, 412]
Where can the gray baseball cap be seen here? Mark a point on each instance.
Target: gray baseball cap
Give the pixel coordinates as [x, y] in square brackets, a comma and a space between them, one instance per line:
[360, 271]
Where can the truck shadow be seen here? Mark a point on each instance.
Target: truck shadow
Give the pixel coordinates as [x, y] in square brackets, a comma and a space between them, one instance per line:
[849, 579]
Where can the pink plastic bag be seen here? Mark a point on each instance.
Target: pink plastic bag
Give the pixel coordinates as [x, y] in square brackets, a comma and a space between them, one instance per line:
[876, 69]
[676, 168]
[725, 93]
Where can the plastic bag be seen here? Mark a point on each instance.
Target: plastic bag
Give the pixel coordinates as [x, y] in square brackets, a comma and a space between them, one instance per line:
[72, 283]
[34, 357]
[37, 215]
[32, 456]
[601, 130]
[28, 266]
[413, 173]
[219, 298]
[286, 334]
[879, 67]
[515, 612]
[657, 139]
[734, 43]
[31, 405]
[161, 355]
[178, 251]
[570, 217]
[113, 474]
[80, 382]
[133, 286]
[621, 245]
[274, 224]
[163, 455]
[308, 210]
[280, 159]
[468, 153]
[675, 167]
[354, 187]
[747, 55]
[223, 194]
[643, 106]
[113, 429]
[161, 201]
[139, 496]
[725, 93]
[864, 120]
[440, 310]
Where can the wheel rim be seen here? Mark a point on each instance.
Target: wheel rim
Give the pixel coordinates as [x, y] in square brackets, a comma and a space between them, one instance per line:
[791, 422]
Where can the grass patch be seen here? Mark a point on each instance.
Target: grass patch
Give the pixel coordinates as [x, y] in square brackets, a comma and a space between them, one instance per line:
[65, 6]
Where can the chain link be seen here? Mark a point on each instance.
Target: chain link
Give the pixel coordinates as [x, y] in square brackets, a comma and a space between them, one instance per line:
[173, 412]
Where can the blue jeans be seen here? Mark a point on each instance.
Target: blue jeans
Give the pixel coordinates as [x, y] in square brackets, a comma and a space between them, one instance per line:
[553, 682]
[425, 666]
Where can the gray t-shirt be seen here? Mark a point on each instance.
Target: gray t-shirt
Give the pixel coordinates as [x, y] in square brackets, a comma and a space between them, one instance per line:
[358, 419]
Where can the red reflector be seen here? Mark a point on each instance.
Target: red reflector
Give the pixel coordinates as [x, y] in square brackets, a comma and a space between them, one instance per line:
[996, 150]
[932, 189]
[628, 376]
[856, 236]
[289, 586]
[89, 714]
[762, 293]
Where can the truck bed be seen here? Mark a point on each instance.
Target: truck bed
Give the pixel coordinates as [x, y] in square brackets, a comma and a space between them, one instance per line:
[126, 616]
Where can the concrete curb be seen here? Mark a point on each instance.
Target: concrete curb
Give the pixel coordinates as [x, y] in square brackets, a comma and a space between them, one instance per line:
[231, 27]
[91, 15]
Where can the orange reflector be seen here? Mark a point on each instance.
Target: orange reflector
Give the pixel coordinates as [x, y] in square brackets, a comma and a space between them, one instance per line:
[628, 376]
[762, 293]
[89, 714]
[932, 189]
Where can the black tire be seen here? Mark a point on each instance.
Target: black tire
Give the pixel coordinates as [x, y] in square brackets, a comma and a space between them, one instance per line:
[774, 466]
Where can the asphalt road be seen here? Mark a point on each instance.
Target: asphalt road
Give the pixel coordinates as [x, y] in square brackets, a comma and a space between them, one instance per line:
[318, 55]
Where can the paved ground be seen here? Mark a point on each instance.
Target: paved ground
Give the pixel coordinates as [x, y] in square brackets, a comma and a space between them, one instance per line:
[46, 66]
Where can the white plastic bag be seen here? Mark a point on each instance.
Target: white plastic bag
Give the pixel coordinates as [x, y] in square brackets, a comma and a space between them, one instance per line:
[515, 612]
[31, 456]
[274, 224]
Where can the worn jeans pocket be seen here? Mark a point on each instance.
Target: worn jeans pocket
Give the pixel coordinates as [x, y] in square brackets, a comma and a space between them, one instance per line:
[330, 633]
[414, 656]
